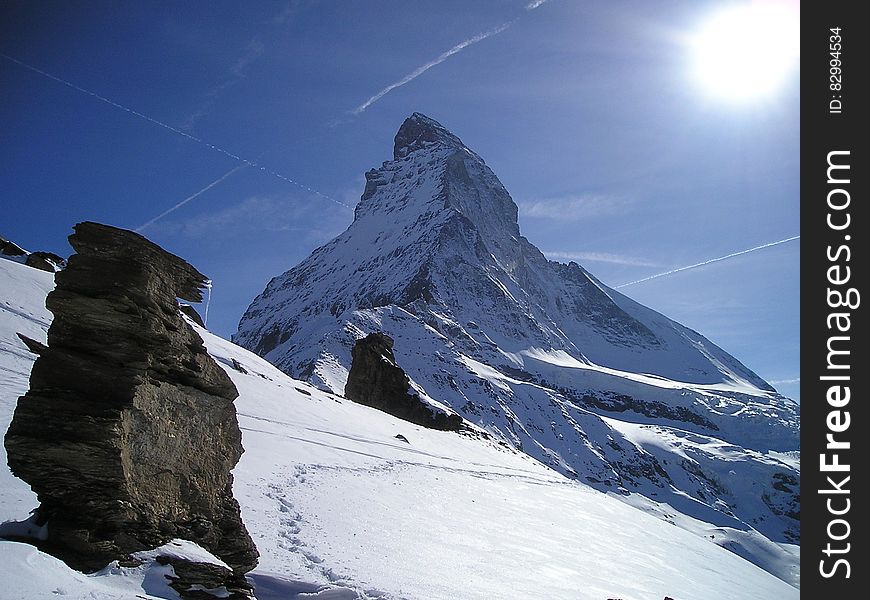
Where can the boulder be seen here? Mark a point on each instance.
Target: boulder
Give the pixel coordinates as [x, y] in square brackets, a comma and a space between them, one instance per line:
[205, 581]
[45, 261]
[377, 381]
[128, 433]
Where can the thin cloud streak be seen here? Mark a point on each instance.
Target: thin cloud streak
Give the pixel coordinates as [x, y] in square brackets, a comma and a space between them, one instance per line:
[437, 61]
[603, 257]
[707, 262]
[252, 52]
[254, 216]
[784, 381]
[574, 207]
[175, 130]
[189, 198]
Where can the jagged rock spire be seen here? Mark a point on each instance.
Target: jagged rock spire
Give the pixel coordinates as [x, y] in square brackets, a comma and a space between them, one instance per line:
[418, 131]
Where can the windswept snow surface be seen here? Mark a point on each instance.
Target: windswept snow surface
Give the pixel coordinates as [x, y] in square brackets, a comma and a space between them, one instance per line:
[22, 310]
[341, 508]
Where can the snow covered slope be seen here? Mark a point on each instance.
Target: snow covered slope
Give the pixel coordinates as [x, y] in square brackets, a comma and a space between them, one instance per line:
[541, 354]
[341, 508]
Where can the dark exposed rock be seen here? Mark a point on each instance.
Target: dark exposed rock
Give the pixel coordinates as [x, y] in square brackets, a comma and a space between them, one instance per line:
[45, 261]
[418, 131]
[10, 248]
[128, 432]
[782, 481]
[613, 402]
[519, 374]
[785, 499]
[195, 580]
[32, 345]
[377, 381]
[190, 311]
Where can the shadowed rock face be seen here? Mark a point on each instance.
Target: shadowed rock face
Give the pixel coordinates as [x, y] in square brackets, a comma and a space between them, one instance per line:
[45, 261]
[128, 432]
[8, 248]
[377, 381]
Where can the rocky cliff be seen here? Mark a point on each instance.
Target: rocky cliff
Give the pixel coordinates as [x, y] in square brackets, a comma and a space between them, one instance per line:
[128, 433]
[377, 381]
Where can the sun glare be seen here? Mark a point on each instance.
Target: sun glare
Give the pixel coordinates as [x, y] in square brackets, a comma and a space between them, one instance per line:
[747, 51]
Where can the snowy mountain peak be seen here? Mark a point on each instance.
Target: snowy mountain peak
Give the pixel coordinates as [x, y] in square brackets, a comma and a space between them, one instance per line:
[436, 233]
[435, 183]
[541, 354]
[418, 132]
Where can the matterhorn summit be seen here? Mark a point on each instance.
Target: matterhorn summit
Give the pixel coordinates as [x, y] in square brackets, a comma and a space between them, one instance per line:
[538, 354]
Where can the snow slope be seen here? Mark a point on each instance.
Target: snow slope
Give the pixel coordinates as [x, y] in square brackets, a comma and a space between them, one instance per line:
[540, 354]
[341, 508]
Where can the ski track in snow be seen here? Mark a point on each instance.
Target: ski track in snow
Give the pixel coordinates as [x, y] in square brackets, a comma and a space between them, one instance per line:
[399, 446]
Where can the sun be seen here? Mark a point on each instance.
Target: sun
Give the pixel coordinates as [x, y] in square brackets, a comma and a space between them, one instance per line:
[747, 51]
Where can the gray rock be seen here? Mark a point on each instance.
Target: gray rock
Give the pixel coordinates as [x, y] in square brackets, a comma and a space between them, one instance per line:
[8, 248]
[377, 381]
[205, 581]
[33, 345]
[128, 433]
[190, 311]
[45, 261]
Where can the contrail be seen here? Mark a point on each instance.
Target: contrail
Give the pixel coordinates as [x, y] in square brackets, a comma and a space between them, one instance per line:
[437, 61]
[189, 198]
[175, 130]
[707, 262]
[442, 57]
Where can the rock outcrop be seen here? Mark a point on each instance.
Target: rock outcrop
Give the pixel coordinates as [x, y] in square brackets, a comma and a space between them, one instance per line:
[128, 433]
[8, 248]
[205, 581]
[377, 381]
[45, 261]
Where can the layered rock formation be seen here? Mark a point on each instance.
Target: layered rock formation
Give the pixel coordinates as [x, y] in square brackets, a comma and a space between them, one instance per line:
[128, 432]
[377, 381]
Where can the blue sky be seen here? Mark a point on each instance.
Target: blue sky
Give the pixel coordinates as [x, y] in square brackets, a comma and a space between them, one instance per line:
[589, 112]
